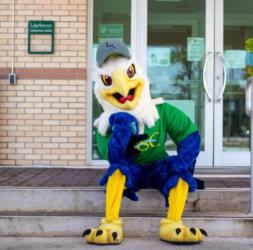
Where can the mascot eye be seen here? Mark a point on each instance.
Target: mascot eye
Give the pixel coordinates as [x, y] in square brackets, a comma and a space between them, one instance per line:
[131, 71]
[107, 80]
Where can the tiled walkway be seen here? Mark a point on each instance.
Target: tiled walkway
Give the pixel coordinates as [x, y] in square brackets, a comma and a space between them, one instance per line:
[46, 177]
[60, 177]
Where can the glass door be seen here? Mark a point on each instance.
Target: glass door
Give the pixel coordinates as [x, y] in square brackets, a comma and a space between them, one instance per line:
[200, 54]
[233, 65]
[179, 48]
[111, 20]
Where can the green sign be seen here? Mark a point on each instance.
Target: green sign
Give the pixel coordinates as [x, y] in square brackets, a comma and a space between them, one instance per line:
[110, 31]
[195, 49]
[235, 59]
[40, 28]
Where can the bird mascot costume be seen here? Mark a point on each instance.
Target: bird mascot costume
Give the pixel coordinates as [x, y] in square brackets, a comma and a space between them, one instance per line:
[131, 134]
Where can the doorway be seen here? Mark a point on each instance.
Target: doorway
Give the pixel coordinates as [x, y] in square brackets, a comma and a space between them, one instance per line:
[198, 55]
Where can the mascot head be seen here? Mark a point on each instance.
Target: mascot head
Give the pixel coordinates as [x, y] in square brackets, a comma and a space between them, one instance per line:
[121, 86]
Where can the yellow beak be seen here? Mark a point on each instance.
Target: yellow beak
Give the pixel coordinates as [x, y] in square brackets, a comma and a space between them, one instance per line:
[125, 92]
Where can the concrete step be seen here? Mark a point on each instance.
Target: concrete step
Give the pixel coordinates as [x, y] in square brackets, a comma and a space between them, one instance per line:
[54, 225]
[73, 243]
[91, 200]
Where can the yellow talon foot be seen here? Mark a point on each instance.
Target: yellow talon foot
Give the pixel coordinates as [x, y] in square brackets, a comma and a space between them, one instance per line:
[106, 234]
[176, 232]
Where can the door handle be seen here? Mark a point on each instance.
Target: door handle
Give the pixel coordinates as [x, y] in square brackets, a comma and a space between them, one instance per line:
[248, 96]
[205, 82]
[224, 75]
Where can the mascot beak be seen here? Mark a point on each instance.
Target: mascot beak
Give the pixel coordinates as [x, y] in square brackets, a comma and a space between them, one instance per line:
[124, 92]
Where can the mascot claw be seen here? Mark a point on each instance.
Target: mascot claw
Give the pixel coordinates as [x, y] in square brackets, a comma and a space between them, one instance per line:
[176, 232]
[106, 234]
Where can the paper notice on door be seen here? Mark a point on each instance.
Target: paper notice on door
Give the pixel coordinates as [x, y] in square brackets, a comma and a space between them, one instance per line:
[195, 49]
[235, 59]
[159, 56]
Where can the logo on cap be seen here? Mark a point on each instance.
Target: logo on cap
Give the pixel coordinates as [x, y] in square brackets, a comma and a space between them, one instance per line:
[110, 46]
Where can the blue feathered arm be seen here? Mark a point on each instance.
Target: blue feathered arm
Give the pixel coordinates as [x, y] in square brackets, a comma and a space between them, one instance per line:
[182, 164]
[121, 153]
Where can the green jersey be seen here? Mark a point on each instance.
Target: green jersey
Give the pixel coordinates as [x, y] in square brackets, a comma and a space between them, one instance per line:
[172, 122]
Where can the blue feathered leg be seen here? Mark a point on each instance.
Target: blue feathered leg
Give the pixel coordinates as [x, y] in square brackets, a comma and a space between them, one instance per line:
[172, 228]
[124, 134]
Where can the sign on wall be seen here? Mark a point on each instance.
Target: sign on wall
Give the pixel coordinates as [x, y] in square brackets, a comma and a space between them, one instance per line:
[110, 32]
[40, 37]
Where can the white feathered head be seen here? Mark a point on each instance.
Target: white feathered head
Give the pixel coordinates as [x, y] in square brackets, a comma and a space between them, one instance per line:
[121, 86]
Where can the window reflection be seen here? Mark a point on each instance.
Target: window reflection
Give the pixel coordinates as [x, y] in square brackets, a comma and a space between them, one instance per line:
[175, 72]
[236, 127]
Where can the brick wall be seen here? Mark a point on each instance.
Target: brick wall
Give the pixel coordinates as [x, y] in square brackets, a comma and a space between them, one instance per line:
[43, 117]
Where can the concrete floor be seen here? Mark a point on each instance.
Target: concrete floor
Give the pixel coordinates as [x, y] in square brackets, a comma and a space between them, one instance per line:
[16, 243]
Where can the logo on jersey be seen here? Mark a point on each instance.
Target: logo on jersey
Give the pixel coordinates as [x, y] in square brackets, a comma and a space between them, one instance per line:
[151, 142]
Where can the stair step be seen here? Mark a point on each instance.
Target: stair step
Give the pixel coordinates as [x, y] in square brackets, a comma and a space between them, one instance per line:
[91, 200]
[51, 226]
[147, 243]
